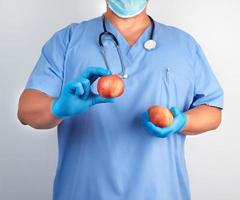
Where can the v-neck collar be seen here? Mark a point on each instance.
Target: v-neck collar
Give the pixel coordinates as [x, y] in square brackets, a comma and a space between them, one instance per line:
[128, 50]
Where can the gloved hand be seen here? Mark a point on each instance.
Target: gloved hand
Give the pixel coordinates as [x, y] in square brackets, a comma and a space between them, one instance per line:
[177, 125]
[77, 96]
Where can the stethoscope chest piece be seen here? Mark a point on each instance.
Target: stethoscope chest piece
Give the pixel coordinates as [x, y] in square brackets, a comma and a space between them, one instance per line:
[150, 45]
[124, 76]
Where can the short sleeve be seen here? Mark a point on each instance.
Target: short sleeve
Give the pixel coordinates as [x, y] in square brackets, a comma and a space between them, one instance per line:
[47, 75]
[207, 88]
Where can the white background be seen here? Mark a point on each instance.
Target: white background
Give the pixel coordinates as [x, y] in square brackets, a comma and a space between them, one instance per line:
[28, 157]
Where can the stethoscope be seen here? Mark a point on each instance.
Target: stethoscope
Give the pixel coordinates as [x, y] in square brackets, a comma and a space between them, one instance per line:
[148, 45]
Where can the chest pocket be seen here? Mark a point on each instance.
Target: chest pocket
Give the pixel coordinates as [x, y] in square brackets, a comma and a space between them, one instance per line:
[177, 87]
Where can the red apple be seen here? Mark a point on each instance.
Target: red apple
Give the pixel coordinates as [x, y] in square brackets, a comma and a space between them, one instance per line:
[160, 116]
[110, 86]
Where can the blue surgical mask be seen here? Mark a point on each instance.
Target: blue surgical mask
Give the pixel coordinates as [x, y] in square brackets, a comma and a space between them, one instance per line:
[127, 8]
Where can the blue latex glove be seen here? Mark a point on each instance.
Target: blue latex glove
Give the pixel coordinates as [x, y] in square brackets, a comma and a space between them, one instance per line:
[77, 96]
[177, 125]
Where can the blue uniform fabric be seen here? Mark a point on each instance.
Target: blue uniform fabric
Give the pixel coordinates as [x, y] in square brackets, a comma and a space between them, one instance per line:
[105, 153]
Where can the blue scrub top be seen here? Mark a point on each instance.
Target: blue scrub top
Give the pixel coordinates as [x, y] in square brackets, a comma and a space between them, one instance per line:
[105, 153]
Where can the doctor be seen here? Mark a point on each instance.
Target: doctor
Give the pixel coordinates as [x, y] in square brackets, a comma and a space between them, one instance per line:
[108, 149]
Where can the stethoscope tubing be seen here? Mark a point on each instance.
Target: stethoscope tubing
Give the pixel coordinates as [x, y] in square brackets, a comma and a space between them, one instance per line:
[105, 32]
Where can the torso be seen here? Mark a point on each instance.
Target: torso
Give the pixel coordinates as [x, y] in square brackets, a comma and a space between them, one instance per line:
[106, 153]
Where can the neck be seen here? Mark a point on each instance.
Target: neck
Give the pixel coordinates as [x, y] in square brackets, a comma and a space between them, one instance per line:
[140, 21]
